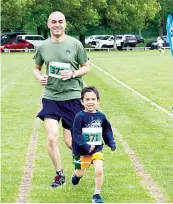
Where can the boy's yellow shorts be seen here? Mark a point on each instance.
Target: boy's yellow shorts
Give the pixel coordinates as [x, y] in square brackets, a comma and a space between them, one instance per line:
[83, 162]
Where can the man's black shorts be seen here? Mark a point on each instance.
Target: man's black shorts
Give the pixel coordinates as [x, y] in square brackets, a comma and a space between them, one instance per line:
[64, 110]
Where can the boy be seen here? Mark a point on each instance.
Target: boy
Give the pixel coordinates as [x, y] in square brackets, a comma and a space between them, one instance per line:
[89, 126]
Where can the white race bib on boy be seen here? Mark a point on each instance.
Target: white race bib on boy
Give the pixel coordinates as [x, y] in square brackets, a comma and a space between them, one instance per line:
[55, 68]
[93, 136]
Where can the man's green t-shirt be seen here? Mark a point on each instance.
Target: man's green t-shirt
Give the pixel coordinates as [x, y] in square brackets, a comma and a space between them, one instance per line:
[68, 54]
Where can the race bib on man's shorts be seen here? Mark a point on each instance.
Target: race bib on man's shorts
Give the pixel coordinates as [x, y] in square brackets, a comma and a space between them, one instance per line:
[93, 136]
[55, 68]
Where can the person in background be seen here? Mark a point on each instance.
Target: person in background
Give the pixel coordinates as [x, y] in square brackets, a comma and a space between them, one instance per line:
[160, 45]
[66, 62]
[89, 128]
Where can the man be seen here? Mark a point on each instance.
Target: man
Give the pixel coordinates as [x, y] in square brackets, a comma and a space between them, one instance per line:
[66, 62]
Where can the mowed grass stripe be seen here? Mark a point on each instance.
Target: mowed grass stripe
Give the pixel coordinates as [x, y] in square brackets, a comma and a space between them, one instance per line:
[19, 106]
[134, 91]
[29, 166]
[146, 179]
[146, 72]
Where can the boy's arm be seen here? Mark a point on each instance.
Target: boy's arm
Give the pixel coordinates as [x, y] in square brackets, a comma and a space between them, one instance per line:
[77, 136]
[108, 135]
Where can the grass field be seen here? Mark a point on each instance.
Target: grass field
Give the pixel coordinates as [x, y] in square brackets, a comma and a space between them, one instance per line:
[146, 129]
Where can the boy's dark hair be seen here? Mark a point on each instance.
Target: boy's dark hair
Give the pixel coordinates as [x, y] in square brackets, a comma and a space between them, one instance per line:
[90, 89]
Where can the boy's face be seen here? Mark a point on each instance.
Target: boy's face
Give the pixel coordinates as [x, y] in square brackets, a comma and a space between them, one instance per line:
[90, 102]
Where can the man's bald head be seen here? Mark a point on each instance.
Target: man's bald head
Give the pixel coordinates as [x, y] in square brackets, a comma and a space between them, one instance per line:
[57, 24]
[56, 15]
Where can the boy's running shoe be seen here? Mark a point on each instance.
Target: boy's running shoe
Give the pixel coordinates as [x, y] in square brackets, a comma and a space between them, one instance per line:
[97, 199]
[75, 180]
[59, 181]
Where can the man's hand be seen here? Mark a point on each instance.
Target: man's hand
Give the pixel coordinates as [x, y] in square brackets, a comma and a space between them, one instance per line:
[43, 80]
[91, 148]
[66, 74]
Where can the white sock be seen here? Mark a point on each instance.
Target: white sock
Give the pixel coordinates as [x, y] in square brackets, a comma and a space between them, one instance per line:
[96, 191]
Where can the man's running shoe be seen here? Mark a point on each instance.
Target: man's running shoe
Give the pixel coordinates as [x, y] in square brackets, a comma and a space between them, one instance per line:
[59, 181]
[75, 180]
[97, 199]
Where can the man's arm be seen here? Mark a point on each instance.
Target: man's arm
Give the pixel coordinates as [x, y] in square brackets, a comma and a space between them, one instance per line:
[38, 74]
[84, 69]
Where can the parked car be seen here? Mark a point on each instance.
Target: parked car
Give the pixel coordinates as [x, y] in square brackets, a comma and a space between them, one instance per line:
[126, 40]
[105, 42]
[33, 39]
[94, 41]
[89, 40]
[16, 45]
[153, 43]
[139, 39]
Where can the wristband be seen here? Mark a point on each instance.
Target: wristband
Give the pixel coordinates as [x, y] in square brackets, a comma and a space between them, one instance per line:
[73, 74]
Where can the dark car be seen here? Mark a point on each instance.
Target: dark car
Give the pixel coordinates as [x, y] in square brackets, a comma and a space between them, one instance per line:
[153, 44]
[16, 45]
[139, 38]
[126, 40]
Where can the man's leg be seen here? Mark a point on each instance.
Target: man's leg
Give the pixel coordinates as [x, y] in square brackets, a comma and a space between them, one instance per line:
[67, 138]
[52, 128]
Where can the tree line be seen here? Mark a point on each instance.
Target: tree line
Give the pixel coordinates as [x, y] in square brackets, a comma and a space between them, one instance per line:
[119, 15]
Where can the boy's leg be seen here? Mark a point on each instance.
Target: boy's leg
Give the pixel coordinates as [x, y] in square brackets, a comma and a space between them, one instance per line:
[79, 172]
[80, 163]
[98, 166]
[77, 175]
[52, 127]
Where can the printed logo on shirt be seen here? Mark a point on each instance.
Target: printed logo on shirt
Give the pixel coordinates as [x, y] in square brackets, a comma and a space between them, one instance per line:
[94, 124]
[68, 52]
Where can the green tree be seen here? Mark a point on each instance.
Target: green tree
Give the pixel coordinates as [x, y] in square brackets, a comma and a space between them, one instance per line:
[125, 16]
[79, 13]
[166, 7]
[86, 15]
[38, 11]
[12, 14]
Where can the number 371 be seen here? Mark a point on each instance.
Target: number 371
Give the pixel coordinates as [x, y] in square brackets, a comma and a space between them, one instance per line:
[91, 137]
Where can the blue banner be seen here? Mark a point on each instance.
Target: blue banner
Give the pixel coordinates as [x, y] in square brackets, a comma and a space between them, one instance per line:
[169, 28]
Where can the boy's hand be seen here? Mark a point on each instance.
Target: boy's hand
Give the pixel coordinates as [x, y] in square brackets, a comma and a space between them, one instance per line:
[113, 148]
[91, 148]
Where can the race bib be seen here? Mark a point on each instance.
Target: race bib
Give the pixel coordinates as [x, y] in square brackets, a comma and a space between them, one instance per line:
[55, 68]
[93, 136]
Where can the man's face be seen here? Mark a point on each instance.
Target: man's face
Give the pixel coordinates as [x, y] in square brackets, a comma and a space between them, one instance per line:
[57, 24]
